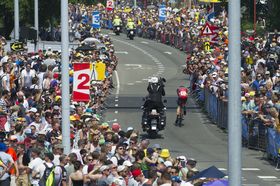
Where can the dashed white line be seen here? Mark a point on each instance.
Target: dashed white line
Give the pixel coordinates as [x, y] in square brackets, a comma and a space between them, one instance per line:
[116, 111]
[130, 83]
[116, 105]
[138, 81]
[121, 52]
[116, 100]
[169, 53]
[267, 177]
[144, 42]
[118, 83]
[251, 169]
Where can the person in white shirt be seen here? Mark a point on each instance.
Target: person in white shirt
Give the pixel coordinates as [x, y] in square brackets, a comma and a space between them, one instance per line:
[26, 76]
[36, 167]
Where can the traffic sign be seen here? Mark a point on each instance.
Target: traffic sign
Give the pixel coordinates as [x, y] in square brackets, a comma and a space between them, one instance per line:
[207, 46]
[206, 30]
[17, 46]
[81, 85]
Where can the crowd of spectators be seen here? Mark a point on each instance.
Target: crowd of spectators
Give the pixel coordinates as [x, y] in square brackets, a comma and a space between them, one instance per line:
[208, 69]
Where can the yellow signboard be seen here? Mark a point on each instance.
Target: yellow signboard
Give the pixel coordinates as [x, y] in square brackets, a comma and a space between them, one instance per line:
[207, 46]
[17, 46]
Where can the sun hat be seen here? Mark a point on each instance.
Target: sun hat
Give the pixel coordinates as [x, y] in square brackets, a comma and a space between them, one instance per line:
[103, 168]
[168, 164]
[120, 168]
[127, 163]
[165, 153]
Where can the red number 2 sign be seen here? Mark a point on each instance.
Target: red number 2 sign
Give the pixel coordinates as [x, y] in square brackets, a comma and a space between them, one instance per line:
[81, 82]
[85, 79]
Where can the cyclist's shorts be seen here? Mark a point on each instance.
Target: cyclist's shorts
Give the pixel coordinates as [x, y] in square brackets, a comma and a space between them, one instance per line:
[181, 101]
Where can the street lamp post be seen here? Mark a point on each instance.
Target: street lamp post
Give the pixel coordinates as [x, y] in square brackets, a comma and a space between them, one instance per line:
[36, 21]
[16, 17]
[65, 77]
[234, 110]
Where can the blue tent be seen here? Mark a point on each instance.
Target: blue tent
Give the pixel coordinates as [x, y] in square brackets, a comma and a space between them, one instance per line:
[211, 172]
[217, 183]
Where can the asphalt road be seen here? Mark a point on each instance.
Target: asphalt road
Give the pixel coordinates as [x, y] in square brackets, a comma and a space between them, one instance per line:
[198, 138]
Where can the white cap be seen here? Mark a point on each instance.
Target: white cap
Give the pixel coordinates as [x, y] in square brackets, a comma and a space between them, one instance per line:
[33, 109]
[127, 163]
[168, 164]
[120, 168]
[129, 128]
[103, 168]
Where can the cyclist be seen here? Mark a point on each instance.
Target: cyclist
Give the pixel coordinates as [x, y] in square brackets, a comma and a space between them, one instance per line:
[182, 93]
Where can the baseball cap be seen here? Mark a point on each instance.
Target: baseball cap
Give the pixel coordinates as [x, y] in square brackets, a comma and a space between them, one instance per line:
[127, 163]
[103, 168]
[120, 168]
[129, 129]
[33, 109]
[136, 172]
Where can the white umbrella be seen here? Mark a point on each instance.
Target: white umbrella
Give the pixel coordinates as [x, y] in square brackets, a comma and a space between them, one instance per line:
[90, 40]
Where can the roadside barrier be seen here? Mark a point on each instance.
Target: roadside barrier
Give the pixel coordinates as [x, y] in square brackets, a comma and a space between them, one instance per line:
[255, 135]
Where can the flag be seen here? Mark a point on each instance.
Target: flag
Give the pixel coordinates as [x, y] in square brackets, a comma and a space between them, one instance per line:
[211, 14]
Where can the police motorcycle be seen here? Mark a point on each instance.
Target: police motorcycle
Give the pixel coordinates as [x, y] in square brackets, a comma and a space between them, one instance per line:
[154, 117]
[131, 34]
[117, 30]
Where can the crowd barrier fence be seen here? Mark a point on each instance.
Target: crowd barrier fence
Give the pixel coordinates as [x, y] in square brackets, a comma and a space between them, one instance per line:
[255, 135]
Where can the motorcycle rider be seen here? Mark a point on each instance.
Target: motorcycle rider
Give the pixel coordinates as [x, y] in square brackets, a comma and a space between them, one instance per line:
[154, 99]
[182, 93]
[130, 25]
[117, 22]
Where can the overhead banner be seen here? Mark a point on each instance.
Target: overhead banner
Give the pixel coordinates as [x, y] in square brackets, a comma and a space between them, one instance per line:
[81, 84]
[162, 12]
[96, 19]
[110, 5]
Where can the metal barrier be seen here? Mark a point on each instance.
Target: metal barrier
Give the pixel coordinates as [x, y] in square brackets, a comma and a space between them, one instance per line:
[255, 134]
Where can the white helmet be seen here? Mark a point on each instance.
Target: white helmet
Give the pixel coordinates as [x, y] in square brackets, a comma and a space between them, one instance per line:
[153, 80]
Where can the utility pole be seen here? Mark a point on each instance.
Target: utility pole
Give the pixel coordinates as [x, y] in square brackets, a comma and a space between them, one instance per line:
[234, 106]
[16, 17]
[65, 77]
[255, 17]
[36, 22]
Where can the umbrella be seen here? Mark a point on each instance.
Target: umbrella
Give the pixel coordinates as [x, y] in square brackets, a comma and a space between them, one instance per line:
[151, 6]
[90, 40]
[217, 183]
[85, 48]
[211, 172]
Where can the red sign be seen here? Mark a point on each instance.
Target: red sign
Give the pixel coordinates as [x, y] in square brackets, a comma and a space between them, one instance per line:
[110, 5]
[81, 85]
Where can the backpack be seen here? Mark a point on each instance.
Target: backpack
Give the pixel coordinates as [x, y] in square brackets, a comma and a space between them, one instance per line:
[182, 93]
[48, 176]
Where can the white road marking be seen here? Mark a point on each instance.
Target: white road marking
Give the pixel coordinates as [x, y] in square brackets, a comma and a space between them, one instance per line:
[169, 53]
[116, 105]
[117, 97]
[155, 60]
[115, 120]
[145, 79]
[138, 81]
[267, 177]
[116, 100]
[116, 111]
[133, 65]
[244, 169]
[144, 42]
[118, 84]
[111, 33]
[251, 169]
[121, 52]
[130, 83]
